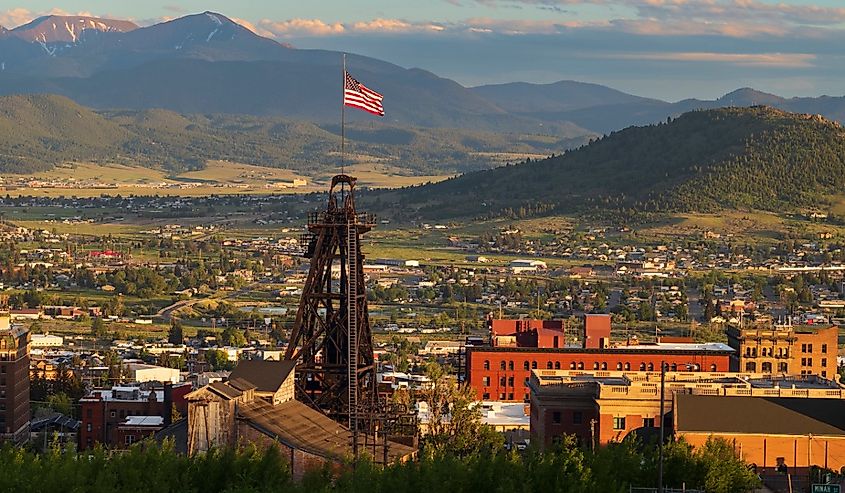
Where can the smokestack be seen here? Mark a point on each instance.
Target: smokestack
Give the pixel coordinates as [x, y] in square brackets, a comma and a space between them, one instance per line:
[168, 403]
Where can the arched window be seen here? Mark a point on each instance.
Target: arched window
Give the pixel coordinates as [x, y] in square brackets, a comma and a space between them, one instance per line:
[604, 365]
[557, 365]
[502, 365]
[486, 364]
[572, 365]
[526, 366]
[766, 367]
[751, 366]
[713, 367]
[651, 367]
[674, 367]
[642, 366]
[595, 365]
[619, 366]
[627, 366]
[533, 365]
[549, 365]
[581, 365]
[510, 365]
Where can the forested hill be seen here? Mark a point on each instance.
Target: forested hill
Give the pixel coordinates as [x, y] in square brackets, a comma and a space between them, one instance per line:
[746, 158]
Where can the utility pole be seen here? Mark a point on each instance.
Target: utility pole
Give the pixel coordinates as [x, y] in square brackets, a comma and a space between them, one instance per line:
[662, 421]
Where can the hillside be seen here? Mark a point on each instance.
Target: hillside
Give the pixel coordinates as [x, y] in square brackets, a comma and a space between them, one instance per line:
[38, 132]
[704, 161]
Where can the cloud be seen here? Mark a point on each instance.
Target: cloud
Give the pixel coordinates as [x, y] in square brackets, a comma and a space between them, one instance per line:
[784, 60]
[302, 27]
[252, 27]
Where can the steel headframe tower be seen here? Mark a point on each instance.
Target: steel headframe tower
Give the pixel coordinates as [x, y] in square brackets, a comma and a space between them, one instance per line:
[331, 338]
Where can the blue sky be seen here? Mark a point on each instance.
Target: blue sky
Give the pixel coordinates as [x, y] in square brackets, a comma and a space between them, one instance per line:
[670, 49]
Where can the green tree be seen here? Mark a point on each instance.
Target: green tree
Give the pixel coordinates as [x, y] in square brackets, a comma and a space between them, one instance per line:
[98, 327]
[175, 335]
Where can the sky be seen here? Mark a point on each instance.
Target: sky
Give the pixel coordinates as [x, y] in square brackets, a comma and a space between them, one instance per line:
[667, 49]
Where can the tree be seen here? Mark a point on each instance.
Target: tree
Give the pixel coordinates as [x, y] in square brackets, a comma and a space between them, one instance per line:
[98, 327]
[231, 336]
[454, 419]
[175, 335]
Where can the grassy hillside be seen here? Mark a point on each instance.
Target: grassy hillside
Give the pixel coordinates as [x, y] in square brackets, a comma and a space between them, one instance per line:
[38, 132]
[704, 161]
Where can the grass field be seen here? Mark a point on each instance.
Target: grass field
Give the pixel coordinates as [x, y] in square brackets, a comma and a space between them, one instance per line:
[218, 177]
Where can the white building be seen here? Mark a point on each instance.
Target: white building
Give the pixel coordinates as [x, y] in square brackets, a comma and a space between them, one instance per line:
[140, 372]
[522, 265]
[46, 340]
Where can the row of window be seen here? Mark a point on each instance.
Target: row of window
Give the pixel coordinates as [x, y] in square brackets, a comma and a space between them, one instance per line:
[596, 366]
[505, 396]
[808, 348]
[751, 352]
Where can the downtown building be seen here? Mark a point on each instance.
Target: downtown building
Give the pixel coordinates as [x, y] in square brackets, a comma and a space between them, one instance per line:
[784, 350]
[501, 371]
[14, 380]
[795, 420]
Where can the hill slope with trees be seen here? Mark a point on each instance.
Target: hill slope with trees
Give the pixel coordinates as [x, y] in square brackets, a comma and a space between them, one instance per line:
[704, 161]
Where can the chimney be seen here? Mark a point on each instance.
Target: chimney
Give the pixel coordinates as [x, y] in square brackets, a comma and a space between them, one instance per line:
[168, 404]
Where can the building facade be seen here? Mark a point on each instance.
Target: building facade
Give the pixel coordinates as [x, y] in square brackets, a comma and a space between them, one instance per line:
[502, 373]
[602, 407]
[785, 349]
[14, 380]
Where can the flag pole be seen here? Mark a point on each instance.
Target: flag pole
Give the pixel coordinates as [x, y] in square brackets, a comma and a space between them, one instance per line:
[343, 121]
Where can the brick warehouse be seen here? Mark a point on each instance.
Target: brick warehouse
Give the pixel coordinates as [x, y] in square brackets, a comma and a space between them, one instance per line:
[502, 373]
[600, 407]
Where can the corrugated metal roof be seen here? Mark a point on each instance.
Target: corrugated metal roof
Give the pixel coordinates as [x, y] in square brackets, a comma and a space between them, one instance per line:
[301, 427]
[267, 376]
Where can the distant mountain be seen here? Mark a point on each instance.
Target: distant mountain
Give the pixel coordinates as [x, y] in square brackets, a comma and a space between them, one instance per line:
[63, 29]
[206, 63]
[41, 131]
[565, 95]
[706, 161]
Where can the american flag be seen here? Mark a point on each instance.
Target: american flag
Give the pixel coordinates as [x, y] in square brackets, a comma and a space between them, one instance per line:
[358, 96]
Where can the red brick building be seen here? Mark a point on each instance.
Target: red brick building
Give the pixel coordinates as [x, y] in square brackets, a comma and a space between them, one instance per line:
[14, 381]
[104, 412]
[501, 373]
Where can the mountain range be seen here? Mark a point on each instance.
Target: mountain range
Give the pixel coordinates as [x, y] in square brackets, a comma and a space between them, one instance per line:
[206, 63]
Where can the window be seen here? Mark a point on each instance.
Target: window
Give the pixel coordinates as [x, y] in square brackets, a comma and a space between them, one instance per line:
[502, 382]
[557, 365]
[526, 366]
[510, 365]
[648, 422]
[803, 348]
[783, 367]
[577, 417]
[713, 367]
[556, 417]
[674, 367]
[824, 362]
[618, 423]
[113, 414]
[651, 367]
[751, 366]
[485, 381]
[642, 366]
[510, 381]
[555, 343]
[510, 396]
[809, 348]
[549, 365]
[803, 361]
[572, 365]
[824, 348]
[534, 365]
[129, 439]
[486, 364]
[502, 396]
[502, 365]
[596, 365]
[766, 367]
[604, 366]
[809, 361]
[89, 413]
[619, 366]
[88, 427]
[627, 366]
[824, 374]
[486, 396]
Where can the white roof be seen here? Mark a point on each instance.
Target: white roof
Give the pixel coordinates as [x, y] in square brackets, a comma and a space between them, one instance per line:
[144, 421]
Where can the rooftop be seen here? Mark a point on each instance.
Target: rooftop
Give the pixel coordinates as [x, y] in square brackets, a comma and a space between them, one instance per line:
[143, 421]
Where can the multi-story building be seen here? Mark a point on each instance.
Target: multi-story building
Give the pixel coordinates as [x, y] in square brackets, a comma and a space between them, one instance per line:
[784, 349]
[601, 407]
[14, 380]
[107, 413]
[502, 373]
